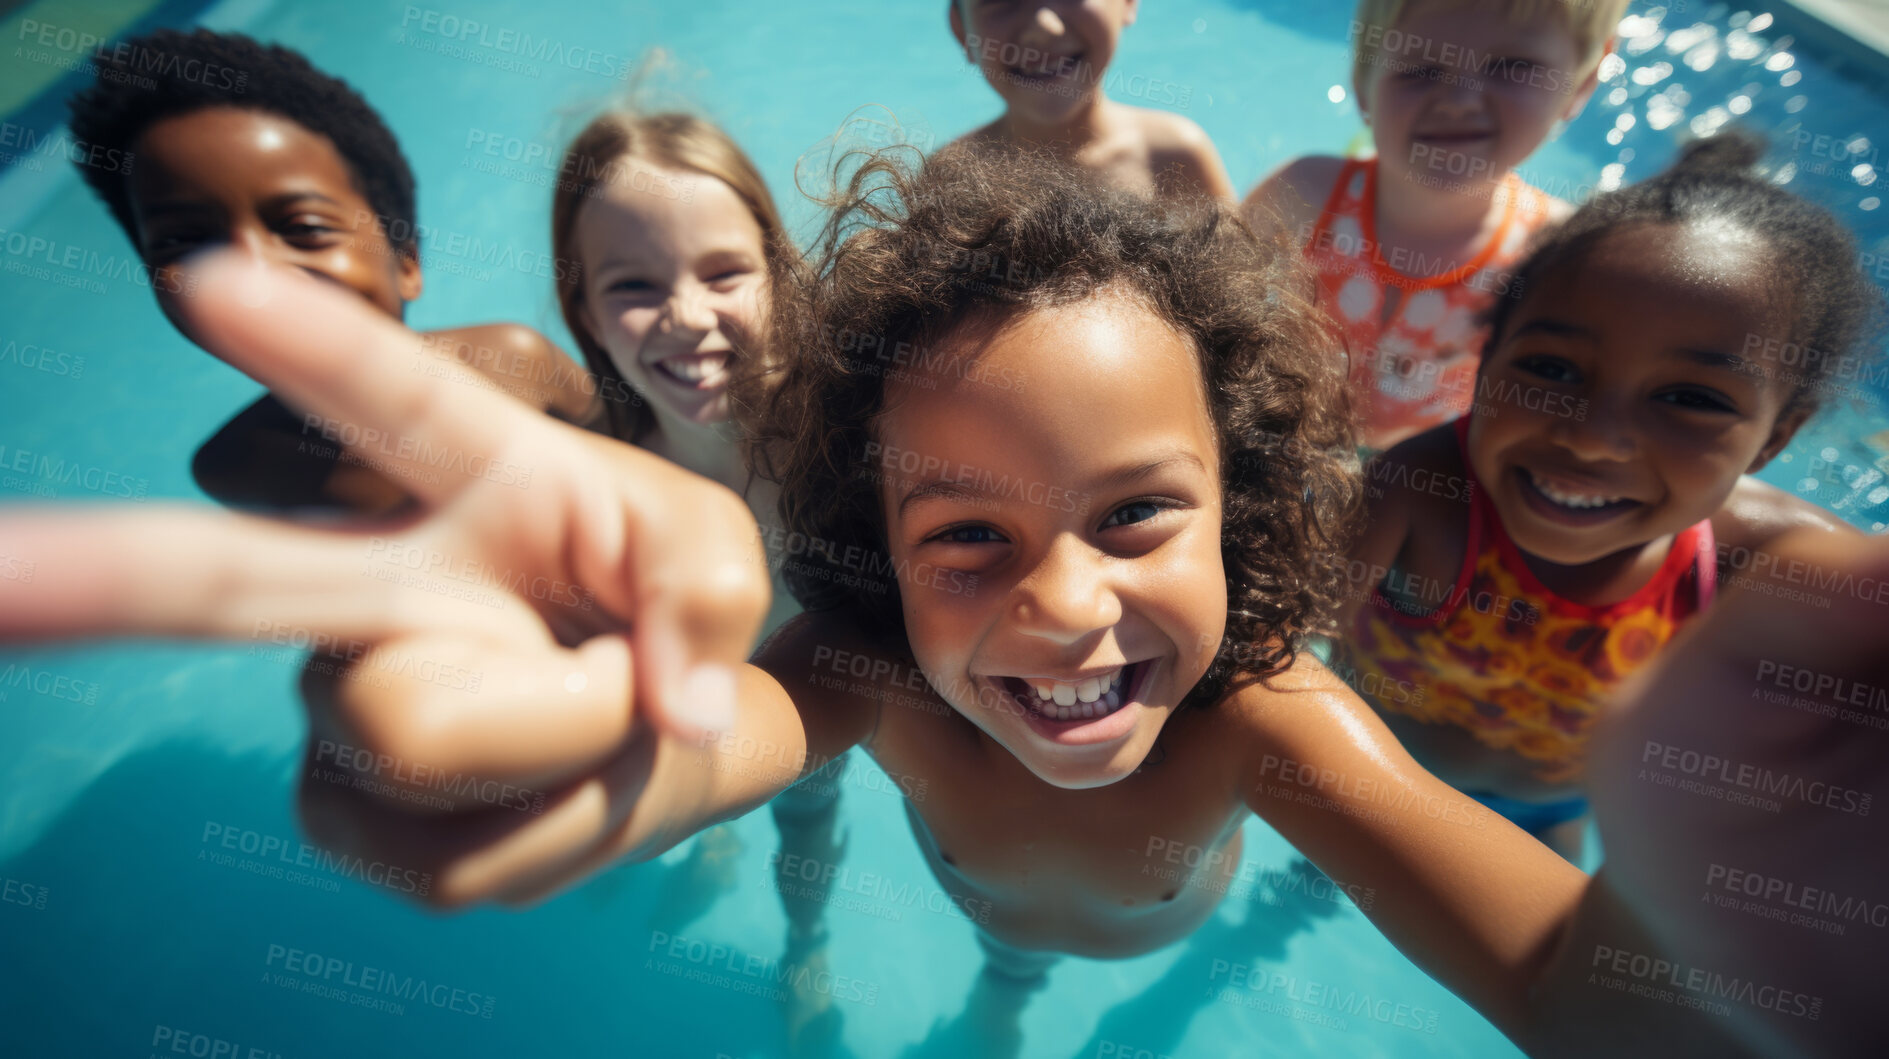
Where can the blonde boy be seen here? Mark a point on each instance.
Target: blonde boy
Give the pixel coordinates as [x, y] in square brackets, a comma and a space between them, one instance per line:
[1413, 243]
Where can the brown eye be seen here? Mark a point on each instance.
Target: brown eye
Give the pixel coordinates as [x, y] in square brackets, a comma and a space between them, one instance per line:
[1132, 512]
[969, 535]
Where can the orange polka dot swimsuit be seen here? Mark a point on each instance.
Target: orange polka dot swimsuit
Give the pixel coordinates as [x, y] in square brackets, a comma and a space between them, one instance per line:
[1506, 659]
[1417, 367]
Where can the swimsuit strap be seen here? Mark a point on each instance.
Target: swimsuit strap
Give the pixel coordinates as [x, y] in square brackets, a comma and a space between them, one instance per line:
[1708, 566]
[1386, 274]
[1329, 212]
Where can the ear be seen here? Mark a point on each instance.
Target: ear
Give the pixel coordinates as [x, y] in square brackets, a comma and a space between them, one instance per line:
[959, 31]
[1781, 434]
[1577, 102]
[1130, 9]
[1360, 85]
[407, 278]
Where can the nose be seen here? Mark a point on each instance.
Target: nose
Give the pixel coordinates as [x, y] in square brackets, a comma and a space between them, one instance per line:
[1066, 597]
[252, 241]
[1045, 27]
[1457, 100]
[1603, 434]
[687, 310]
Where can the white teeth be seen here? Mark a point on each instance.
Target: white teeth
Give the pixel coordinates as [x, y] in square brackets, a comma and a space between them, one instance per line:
[1566, 499]
[697, 369]
[1085, 699]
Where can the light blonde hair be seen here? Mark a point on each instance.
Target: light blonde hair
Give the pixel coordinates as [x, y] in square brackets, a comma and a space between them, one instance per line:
[593, 161]
[1592, 24]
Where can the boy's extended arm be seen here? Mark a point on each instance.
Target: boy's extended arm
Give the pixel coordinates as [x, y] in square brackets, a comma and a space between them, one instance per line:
[1468, 896]
[779, 737]
[1496, 917]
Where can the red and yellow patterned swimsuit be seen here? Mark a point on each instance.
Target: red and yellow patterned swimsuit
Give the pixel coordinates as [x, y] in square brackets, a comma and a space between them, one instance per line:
[1515, 665]
[1418, 367]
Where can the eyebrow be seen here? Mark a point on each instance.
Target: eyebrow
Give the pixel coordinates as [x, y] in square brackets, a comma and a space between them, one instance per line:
[1709, 358]
[965, 492]
[170, 206]
[1556, 329]
[1713, 358]
[715, 256]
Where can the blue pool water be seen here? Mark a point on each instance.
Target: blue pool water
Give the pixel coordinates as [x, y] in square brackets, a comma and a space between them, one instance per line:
[125, 769]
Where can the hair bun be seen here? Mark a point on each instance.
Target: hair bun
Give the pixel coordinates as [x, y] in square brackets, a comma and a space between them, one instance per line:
[1734, 150]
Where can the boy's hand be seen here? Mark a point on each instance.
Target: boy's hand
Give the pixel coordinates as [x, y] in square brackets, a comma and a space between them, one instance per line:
[1740, 788]
[554, 589]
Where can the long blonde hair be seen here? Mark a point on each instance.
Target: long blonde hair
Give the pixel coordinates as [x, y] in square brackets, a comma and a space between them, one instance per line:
[673, 140]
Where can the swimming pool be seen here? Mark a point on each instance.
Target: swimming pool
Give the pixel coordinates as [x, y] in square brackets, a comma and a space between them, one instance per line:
[156, 888]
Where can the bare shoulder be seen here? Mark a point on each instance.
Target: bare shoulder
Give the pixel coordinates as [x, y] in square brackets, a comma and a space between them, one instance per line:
[1182, 155]
[1422, 477]
[1758, 513]
[835, 672]
[1293, 194]
[1172, 135]
[524, 363]
[504, 339]
[1283, 709]
[1306, 715]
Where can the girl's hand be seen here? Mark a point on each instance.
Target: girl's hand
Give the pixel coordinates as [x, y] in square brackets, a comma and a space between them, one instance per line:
[555, 595]
[1742, 795]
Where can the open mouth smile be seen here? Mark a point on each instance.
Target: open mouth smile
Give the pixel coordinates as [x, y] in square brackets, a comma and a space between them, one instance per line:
[696, 371]
[1081, 709]
[1568, 504]
[1049, 69]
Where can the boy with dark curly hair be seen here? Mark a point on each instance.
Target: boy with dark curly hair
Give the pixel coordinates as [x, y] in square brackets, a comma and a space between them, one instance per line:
[247, 144]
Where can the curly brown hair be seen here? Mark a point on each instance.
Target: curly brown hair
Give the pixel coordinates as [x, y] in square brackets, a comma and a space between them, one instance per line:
[915, 253]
